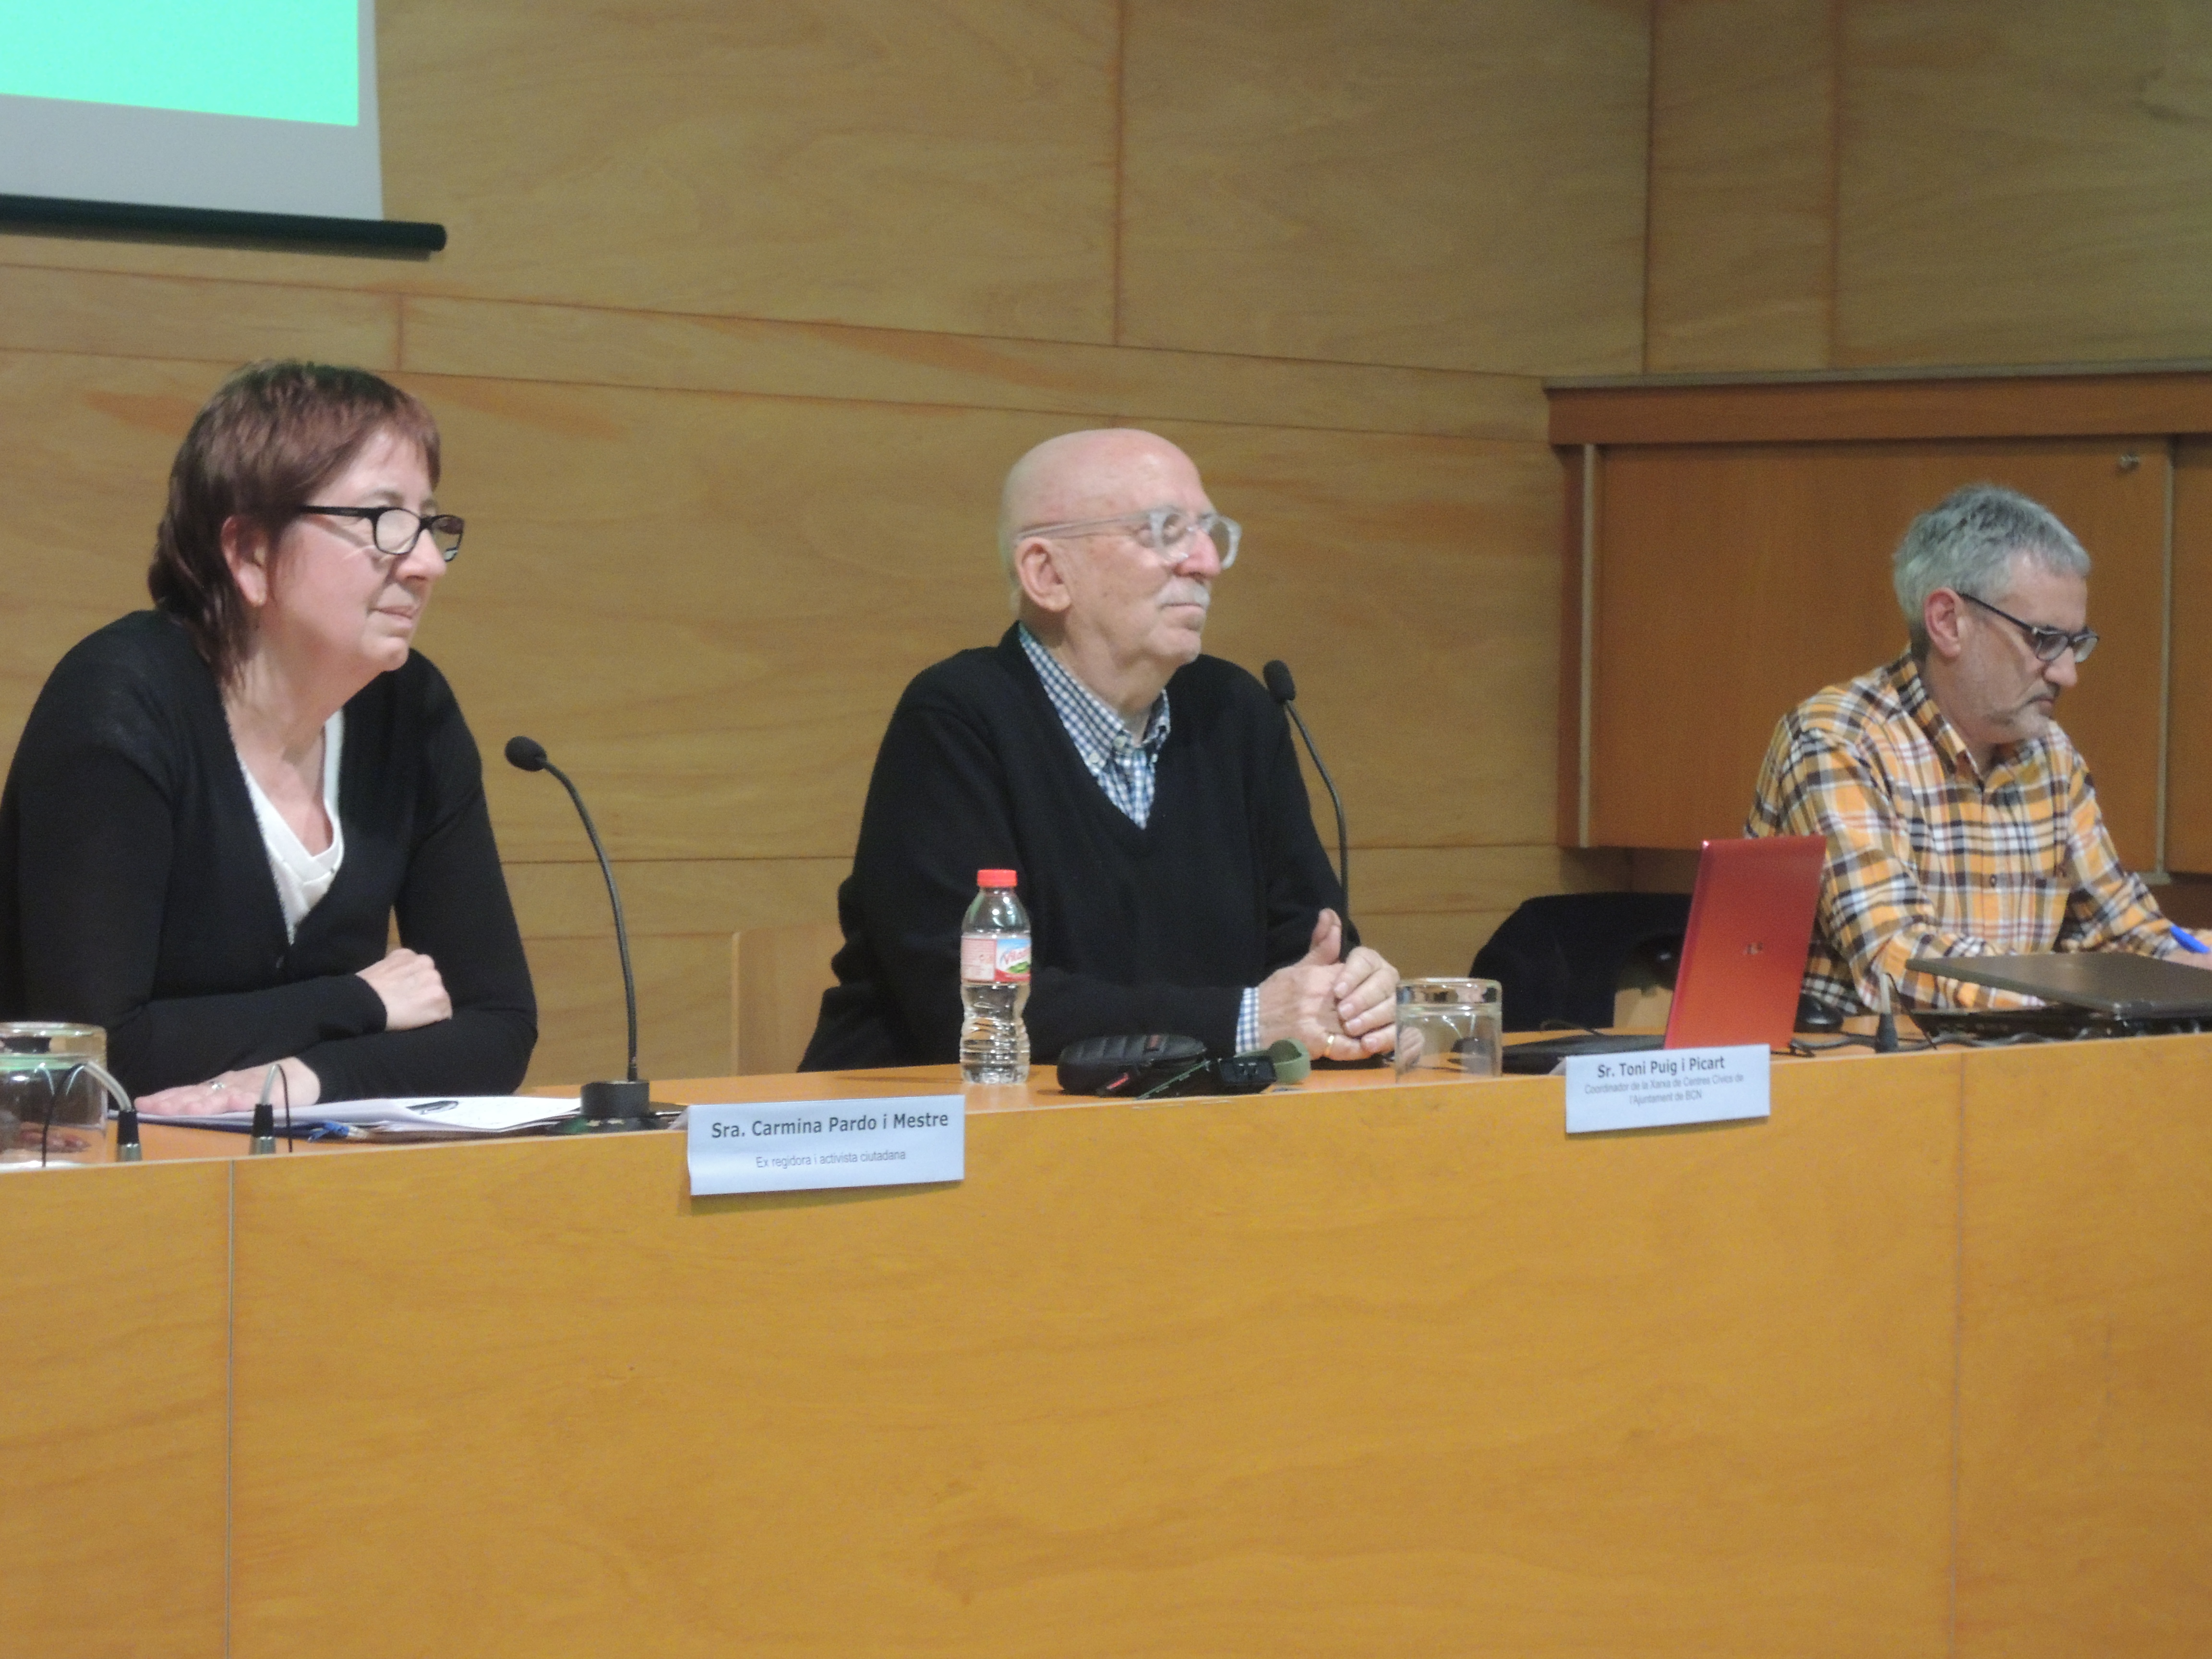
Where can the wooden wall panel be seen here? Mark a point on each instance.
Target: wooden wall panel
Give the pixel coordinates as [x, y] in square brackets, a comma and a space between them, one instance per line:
[568, 900]
[1849, 407]
[753, 582]
[706, 606]
[761, 577]
[2023, 182]
[1736, 581]
[677, 897]
[224, 323]
[2189, 773]
[683, 1005]
[483, 340]
[1411, 585]
[85, 473]
[1581, 475]
[1430, 183]
[2011, 183]
[1742, 193]
[2085, 1449]
[114, 1471]
[947, 164]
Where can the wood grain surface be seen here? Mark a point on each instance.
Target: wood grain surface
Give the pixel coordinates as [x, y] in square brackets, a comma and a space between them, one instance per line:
[1909, 1367]
[1885, 408]
[777, 976]
[2085, 1451]
[489, 340]
[111, 314]
[1742, 247]
[2189, 773]
[1459, 186]
[1842, 183]
[2019, 182]
[1365, 1371]
[114, 1349]
[1411, 584]
[1735, 581]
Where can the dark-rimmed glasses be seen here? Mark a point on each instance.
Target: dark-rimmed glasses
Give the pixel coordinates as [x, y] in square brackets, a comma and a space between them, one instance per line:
[2049, 644]
[1165, 531]
[395, 529]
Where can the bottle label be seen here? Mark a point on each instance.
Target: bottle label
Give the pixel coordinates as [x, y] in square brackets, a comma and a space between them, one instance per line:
[989, 959]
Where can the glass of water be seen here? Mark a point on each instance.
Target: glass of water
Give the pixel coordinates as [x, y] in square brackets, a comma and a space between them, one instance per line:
[54, 1095]
[1449, 1028]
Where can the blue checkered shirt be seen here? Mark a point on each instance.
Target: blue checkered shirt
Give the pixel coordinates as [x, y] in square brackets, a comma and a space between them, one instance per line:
[1122, 764]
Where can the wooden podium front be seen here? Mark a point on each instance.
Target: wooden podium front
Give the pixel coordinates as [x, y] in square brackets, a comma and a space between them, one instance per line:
[1914, 1367]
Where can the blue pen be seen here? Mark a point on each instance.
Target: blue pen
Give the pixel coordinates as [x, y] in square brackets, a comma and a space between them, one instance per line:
[2189, 941]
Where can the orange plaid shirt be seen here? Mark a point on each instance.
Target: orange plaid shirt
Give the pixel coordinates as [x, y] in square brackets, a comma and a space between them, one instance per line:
[1929, 857]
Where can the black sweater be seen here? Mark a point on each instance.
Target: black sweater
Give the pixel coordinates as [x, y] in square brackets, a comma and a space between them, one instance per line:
[1153, 929]
[136, 892]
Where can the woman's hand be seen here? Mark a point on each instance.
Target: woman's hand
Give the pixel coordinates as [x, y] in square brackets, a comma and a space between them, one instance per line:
[235, 1091]
[414, 995]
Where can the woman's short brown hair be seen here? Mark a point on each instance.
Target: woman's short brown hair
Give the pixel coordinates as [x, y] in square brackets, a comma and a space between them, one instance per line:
[272, 434]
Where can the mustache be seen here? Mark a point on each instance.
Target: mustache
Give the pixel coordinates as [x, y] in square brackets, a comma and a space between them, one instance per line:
[1192, 593]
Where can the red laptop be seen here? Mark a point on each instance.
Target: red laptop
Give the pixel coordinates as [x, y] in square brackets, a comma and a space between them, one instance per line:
[1743, 955]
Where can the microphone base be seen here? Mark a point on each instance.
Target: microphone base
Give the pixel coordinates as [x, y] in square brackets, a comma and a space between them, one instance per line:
[617, 1106]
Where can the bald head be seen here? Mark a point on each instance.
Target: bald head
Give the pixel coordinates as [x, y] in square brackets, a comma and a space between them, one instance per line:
[1080, 476]
[1123, 613]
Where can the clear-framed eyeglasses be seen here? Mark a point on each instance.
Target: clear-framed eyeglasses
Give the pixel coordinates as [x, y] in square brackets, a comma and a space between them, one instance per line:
[1167, 531]
[395, 530]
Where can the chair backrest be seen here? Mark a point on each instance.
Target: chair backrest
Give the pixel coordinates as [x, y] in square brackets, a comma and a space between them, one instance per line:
[777, 976]
[1561, 956]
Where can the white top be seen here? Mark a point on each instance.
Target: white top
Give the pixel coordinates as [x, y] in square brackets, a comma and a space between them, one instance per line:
[303, 877]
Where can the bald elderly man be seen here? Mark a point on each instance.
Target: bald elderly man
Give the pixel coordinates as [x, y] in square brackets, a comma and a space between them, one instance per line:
[1148, 796]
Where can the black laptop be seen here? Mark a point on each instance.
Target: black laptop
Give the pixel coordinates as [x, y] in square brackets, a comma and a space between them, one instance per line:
[2116, 983]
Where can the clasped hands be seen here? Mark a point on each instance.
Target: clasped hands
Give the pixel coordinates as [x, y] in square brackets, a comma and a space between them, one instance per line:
[1344, 1010]
[413, 993]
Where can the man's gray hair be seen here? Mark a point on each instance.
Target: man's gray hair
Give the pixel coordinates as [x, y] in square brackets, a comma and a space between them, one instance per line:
[1967, 543]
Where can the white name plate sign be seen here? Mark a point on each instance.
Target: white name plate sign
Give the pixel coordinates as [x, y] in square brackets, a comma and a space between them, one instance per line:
[796, 1146]
[1663, 1086]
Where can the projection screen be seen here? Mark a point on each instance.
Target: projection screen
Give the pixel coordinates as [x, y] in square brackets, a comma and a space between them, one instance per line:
[244, 105]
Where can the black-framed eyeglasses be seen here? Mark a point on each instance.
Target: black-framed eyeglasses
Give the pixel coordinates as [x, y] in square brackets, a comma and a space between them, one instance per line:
[395, 529]
[2048, 643]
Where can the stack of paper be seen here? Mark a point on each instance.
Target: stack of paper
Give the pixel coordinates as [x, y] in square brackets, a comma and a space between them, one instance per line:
[417, 1118]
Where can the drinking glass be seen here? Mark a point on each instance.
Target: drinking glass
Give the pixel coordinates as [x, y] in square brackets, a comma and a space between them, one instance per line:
[1449, 1028]
[54, 1095]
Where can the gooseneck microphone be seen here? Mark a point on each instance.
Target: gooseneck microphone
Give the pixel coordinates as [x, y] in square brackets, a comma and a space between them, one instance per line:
[626, 1103]
[1285, 691]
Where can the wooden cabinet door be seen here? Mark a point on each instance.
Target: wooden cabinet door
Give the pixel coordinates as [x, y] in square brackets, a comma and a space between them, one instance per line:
[1734, 581]
[2189, 755]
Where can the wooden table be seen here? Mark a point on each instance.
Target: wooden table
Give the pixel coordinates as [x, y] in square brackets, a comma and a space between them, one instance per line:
[1917, 1366]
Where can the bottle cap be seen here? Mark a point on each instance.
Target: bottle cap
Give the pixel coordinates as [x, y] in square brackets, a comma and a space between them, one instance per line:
[995, 878]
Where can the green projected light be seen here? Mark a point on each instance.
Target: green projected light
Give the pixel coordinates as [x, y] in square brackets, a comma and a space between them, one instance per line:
[278, 60]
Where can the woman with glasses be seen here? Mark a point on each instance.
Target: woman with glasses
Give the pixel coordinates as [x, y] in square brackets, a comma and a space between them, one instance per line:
[218, 805]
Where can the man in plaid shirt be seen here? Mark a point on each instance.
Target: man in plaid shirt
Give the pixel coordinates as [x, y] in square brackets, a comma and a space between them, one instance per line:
[1959, 819]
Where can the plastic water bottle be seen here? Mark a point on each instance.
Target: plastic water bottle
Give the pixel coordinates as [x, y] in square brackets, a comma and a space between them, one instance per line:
[994, 982]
